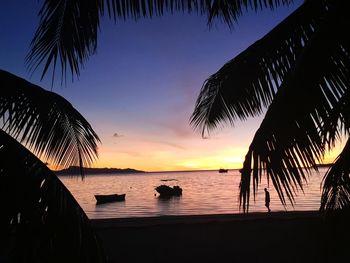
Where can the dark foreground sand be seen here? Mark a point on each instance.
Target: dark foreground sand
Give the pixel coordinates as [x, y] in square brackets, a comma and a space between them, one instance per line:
[258, 237]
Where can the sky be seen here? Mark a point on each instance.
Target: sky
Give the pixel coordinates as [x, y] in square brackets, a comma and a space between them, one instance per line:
[139, 90]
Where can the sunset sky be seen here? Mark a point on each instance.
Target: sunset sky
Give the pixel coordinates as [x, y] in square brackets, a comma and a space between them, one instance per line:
[139, 90]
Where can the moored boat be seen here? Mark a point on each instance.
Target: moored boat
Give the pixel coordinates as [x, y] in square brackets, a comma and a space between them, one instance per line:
[109, 198]
[167, 191]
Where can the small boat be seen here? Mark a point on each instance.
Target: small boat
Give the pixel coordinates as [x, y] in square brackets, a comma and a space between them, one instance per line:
[167, 191]
[109, 198]
[223, 170]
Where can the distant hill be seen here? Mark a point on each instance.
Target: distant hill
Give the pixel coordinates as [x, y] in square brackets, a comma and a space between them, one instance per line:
[75, 170]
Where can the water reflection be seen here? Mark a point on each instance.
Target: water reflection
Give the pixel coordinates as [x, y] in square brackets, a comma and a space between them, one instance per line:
[168, 205]
[204, 192]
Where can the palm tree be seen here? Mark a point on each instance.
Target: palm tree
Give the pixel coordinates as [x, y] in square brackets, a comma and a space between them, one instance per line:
[40, 219]
[300, 72]
[304, 60]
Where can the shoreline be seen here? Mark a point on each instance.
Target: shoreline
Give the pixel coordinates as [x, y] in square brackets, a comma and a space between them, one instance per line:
[301, 236]
[195, 219]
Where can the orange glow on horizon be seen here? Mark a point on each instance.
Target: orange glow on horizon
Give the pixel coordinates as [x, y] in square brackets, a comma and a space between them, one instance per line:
[176, 164]
[230, 158]
[194, 154]
[174, 160]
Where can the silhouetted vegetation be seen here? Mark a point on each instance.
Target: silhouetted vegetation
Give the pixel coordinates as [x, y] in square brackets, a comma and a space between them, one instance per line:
[76, 170]
[299, 71]
[40, 220]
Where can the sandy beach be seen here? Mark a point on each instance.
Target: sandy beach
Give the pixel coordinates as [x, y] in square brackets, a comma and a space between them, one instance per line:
[255, 237]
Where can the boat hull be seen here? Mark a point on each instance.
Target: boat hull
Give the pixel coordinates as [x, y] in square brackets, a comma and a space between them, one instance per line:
[101, 199]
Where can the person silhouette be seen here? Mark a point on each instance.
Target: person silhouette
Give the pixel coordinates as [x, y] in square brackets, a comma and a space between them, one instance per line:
[267, 200]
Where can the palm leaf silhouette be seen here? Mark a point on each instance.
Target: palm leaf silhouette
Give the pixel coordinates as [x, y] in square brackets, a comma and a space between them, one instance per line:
[302, 77]
[247, 84]
[68, 30]
[336, 184]
[46, 123]
[40, 219]
[305, 59]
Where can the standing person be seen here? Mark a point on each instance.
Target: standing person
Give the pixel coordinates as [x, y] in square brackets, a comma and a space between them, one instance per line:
[267, 200]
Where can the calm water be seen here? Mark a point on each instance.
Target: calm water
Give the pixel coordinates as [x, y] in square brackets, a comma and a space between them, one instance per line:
[204, 192]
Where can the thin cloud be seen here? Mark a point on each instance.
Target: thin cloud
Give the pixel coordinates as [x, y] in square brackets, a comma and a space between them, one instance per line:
[174, 145]
[133, 153]
[178, 126]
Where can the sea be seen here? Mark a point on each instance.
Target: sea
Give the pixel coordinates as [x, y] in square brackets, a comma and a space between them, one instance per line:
[204, 192]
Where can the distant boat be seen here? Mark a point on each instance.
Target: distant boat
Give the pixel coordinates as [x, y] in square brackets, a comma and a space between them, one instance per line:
[223, 170]
[109, 198]
[167, 191]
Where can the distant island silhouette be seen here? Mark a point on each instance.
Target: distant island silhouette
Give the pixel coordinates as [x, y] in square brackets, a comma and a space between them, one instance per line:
[75, 170]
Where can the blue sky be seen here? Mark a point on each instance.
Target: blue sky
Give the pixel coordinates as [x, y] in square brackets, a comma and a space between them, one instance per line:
[139, 90]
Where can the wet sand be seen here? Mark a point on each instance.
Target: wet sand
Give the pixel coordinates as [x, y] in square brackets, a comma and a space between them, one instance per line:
[256, 237]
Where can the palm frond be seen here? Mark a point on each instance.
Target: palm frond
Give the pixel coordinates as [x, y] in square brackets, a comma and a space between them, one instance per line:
[247, 84]
[67, 33]
[337, 122]
[291, 136]
[336, 183]
[45, 122]
[40, 219]
[227, 11]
